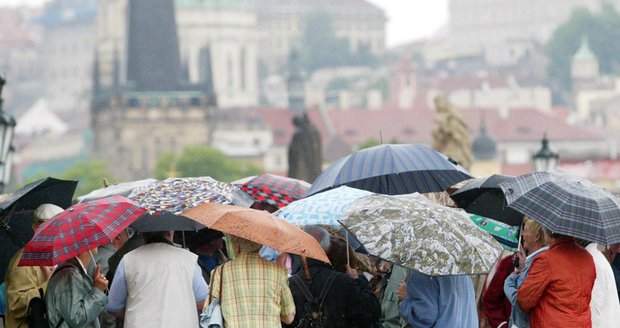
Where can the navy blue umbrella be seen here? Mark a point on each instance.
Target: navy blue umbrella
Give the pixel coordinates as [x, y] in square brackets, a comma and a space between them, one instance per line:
[392, 170]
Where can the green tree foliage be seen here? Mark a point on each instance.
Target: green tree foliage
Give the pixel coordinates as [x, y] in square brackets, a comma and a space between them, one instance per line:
[321, 47]
[90, 175]
[196, 161]
[600, 29]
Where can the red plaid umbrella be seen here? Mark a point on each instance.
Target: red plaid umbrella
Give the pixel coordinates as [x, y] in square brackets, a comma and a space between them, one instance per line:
[275, 190]
[78, 229]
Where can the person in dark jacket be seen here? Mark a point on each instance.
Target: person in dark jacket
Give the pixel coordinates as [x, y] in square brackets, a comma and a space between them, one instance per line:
[349, 302]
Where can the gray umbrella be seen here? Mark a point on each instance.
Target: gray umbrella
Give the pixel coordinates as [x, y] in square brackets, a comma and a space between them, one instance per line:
[566, 205]
[416, 233]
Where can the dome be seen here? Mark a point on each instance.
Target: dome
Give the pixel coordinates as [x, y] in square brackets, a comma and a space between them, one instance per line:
[484, 147]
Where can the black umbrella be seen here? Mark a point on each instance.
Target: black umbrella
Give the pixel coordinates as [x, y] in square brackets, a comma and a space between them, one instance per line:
[16, 213]
[484, 197]
[165, 221]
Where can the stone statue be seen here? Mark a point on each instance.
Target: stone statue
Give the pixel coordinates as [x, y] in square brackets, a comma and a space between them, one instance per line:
[452, 134]
[304, 153]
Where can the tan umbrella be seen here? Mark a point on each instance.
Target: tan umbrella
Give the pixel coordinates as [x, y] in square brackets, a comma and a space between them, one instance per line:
[258, 226]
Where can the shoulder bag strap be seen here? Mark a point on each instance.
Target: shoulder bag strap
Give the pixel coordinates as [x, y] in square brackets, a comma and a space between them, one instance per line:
[221, 279]
[304, 288]
[211, 287]
[326, 287]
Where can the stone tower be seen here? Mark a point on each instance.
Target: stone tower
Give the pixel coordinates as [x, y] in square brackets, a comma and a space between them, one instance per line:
[148, 109]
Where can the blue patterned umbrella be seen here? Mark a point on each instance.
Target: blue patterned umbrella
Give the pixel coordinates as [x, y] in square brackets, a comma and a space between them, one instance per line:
[392, 170]
[324, 208]
[566, 205]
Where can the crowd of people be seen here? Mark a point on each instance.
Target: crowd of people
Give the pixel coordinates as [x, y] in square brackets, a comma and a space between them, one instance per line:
[552, 281]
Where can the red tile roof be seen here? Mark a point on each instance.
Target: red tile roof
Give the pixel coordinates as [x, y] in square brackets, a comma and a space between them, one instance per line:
[356, 126]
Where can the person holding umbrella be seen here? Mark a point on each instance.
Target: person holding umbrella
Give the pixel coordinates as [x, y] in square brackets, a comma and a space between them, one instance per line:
[23, 283]
[558, 287]
[74, 299]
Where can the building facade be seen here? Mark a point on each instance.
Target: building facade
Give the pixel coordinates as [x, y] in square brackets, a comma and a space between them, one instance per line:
[281, 24]
[505, 30]
[67, 52]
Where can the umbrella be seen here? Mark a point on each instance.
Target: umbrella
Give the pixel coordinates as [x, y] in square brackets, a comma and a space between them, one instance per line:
[505, 234]
[258, 226]
[79, 229]
[165, 221]
[413, 232]
[17, 209]
[122, 189]
[392, 170]
[566, 205]
[176, 195]
[275, 190]
[323, 208]
[485, 198]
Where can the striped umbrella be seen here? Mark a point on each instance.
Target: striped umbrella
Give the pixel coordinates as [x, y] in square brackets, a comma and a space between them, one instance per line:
[566, 205]
[78, 229]
[392, 170]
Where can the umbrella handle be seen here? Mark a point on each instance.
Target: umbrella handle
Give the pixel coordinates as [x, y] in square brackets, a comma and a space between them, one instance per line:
[346, 235]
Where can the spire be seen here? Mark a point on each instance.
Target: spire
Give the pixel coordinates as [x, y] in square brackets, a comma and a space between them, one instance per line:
[584, 52]
[96, 87]
[116, 74]
[153, 62]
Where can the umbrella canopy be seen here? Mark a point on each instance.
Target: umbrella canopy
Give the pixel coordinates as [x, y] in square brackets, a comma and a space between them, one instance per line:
[165, 221]
[16, 212]
[484, 197]
[411, 231]
[258, 226]
[566, 205]
[122, 189]
[505, 234]
[275, 190]
[78, 229]
[176, 195]
[48, 190]
[324, 208]
[392, 170]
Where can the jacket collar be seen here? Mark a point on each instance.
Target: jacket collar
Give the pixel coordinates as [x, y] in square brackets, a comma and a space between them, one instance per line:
[562, 241]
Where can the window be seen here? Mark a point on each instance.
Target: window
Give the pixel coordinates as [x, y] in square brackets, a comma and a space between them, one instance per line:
[242, 74]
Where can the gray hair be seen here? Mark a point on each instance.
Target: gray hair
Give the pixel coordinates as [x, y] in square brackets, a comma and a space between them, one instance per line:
[320, 234]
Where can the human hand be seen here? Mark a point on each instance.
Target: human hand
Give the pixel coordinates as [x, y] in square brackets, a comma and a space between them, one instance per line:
[521, 256]
[401, 292]
[352, 272]
[99, 280]
[48, 271]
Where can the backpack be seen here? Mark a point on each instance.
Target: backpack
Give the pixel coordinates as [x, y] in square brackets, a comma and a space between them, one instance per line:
[37, 309]
[314, 316]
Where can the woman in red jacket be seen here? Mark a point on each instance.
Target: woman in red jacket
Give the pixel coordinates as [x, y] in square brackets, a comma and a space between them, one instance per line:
[558, 288]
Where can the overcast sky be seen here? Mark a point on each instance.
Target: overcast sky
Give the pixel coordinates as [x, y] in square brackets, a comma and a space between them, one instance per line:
[407, 19]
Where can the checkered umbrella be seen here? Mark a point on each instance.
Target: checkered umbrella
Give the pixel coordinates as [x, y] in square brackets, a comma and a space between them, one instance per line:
[566, 205]
[275, 190]
[177, 195]
[78, 229]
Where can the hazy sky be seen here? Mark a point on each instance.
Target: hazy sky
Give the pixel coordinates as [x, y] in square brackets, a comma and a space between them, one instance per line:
[407, 19]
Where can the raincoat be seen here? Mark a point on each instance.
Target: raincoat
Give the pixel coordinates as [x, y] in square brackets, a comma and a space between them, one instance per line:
[72, 296]
[22, 285]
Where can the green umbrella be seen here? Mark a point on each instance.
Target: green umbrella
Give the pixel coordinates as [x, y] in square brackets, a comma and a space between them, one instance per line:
[413, 232]
[507, 235]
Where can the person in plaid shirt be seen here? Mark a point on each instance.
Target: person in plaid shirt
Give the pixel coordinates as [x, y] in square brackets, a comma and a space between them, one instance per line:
[254, 292]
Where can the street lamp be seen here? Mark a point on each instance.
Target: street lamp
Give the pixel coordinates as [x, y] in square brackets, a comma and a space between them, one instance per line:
[545, 159]
[7, 128]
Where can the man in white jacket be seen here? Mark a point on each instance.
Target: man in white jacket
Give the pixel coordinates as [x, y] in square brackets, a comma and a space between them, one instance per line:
[604, 306]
